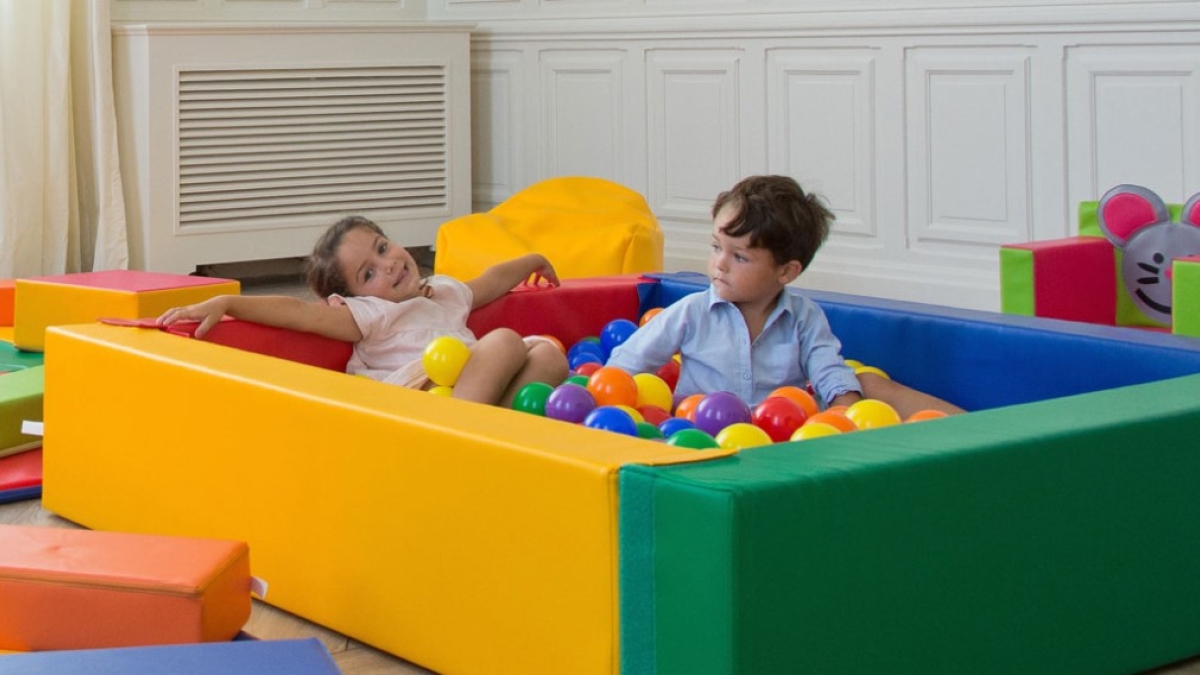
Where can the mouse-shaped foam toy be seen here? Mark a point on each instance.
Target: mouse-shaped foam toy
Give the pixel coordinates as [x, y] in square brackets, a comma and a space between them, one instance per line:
[1137, 221]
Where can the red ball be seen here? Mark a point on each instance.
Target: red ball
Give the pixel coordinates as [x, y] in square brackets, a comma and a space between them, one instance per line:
[779, 416]
[669, 373]
[654, 414]
[588, 368]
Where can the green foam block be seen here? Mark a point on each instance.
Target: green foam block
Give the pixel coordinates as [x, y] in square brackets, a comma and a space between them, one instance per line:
[20, 400]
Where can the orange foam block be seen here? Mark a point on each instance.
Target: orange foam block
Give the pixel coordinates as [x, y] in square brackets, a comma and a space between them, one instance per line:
[41, 302]
[8, 291]
[83, 589]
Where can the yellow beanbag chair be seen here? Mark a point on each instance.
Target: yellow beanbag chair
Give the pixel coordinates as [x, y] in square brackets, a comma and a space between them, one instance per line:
[586, 227]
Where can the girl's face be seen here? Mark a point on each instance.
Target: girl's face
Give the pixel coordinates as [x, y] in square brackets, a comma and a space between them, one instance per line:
[741, 274]
[374, 266]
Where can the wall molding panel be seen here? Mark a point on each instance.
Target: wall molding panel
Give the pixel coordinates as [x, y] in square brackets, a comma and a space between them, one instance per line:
[936, 134]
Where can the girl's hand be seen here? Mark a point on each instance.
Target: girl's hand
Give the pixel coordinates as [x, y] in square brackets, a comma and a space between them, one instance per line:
[208, 313]
[543, 273]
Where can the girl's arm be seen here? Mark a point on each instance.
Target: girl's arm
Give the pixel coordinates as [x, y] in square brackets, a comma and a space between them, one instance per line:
[501, 278]
[280, 311]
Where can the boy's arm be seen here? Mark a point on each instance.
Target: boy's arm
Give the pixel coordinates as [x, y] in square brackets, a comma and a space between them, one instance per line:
[501, 278]
[280, 311]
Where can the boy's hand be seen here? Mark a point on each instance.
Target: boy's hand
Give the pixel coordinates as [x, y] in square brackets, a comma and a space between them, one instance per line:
[208, 313]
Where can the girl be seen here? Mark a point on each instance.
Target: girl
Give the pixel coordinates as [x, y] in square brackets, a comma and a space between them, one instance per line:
[376, 299]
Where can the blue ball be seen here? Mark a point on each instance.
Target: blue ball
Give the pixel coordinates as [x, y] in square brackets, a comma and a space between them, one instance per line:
[583, 357]
[670, 426]
[614, 333]
[586, 347]
[611, 418]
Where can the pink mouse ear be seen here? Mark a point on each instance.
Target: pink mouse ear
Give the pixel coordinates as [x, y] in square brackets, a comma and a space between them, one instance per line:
[1126, 209]
[1191, 211]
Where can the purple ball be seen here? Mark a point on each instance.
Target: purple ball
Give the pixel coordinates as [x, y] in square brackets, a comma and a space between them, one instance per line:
[569, 402]
[720, 409]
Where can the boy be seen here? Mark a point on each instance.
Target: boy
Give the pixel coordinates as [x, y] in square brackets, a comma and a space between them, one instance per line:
[748, 335]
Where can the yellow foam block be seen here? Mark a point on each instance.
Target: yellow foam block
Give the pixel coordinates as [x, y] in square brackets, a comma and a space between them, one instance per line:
[80, 298]
[455, 535]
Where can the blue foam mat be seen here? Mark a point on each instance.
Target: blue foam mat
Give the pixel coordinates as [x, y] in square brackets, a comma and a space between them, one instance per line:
[241, 657]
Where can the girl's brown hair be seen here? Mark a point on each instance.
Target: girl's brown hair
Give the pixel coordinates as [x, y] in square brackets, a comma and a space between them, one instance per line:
[323, 273]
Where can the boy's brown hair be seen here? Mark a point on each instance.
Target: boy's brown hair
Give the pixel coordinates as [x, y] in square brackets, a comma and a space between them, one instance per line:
[778, 216]
[323, 272]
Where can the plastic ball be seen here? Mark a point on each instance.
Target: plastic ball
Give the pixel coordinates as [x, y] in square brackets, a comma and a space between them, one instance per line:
[444, 359]
[852, 363]
[692, 438]
[778, 416]
[802, 398]
[580, 359]
[742, 435]
[554, 341]
[922, 415]
[569, 402]
[648, 431]
[615, 333]
[577, 351]
[649, 314]
[669, 373]
[611, 418]
[718, 410]
[815, 430]
[686, 408]
[674, 424]
[441, 390]
[833, 418]
[654, 414]
[872, 414]
[580, 380]
[871, 369]
[589, 367]
[633, 412]
[532, 398]
[652, 390]
[612, 386]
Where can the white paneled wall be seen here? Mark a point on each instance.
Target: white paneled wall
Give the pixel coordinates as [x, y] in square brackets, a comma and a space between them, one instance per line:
[937, 131]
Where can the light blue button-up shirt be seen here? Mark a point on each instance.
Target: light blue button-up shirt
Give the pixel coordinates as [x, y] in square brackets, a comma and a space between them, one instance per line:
[796, 346]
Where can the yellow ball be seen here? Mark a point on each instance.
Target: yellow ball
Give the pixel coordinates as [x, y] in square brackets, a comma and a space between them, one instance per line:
[444, 359]
[441, 390]
[742, 435]
[653, 390]
[811, 430]
[854, 364]
[872, 414]
[633, 412]
[871, 369]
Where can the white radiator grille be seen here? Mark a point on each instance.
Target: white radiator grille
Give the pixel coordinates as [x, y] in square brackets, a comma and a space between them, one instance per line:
[261, 145]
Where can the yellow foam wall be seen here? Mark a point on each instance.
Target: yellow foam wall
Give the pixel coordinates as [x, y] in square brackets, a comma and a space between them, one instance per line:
[466, 538]
[40, 304]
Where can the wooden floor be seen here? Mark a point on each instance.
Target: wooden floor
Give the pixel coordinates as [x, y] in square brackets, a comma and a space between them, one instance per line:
[266, 622]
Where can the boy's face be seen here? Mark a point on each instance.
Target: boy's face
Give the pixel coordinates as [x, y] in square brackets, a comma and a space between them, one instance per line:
[742, 274]
[374, 266]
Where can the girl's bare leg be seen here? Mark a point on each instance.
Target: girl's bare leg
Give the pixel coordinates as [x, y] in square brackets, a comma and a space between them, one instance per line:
[543, 363]
[495, 360]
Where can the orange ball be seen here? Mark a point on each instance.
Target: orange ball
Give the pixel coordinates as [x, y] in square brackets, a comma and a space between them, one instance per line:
[556, 342]
[921, 415]
[834, 419]
[650, 314]
[802, 398]
[687, 407]
[612, 386]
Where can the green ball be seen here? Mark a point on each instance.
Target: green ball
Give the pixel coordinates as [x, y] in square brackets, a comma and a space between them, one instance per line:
[647, 430]
[532, 398]
[580, 380]
[693, 438]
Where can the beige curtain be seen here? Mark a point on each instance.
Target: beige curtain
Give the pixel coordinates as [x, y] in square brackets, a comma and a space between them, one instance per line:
[61, 202]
